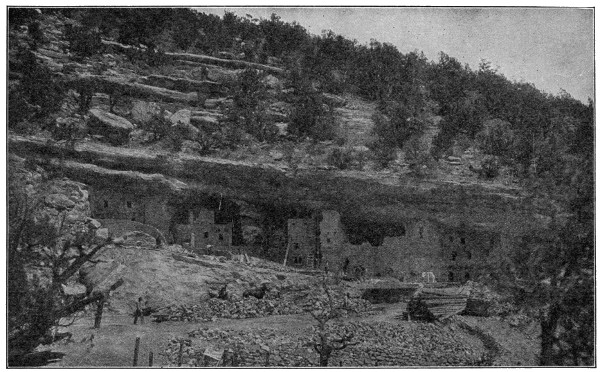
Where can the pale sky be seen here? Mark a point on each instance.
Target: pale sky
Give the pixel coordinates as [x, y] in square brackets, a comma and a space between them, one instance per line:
[552, 48]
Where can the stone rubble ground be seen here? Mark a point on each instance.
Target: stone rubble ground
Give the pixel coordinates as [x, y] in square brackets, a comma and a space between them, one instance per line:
[295, 301]
[379, 344]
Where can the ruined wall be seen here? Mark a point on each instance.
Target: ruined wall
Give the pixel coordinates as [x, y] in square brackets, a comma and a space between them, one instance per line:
[202, 224]
[150, 210]
[302, 242]
[251, 230]
[413, 253]
[157, 213]
[333, 241]
[451, 254]
[332, 234]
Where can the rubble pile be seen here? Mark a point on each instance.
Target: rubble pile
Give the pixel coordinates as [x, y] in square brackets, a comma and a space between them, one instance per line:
[273, 303]
[380, 344]
[242, 348]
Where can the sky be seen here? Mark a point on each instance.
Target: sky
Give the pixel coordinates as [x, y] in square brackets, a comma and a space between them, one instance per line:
[552, 48]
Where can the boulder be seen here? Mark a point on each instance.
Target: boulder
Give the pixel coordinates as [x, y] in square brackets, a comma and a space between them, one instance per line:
[334, 100]
[271, 82]
[139, 239]
[93, 223]
[204, 121]
[101, 235]
[113, 127]
[282, 128]
[181, 117]
[60, 202]
[74, 289]
[276, 155]
[276, 116]
[186, 131]
[142, 111]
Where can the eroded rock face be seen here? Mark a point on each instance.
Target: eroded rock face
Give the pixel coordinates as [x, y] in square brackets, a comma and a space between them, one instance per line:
[113, 127]
[377, 198]
[59, 209]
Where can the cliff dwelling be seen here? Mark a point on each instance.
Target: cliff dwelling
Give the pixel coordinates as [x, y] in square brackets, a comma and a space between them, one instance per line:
[306, 238]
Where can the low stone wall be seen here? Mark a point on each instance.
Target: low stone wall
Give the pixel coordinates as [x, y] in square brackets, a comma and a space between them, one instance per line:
[118, 228]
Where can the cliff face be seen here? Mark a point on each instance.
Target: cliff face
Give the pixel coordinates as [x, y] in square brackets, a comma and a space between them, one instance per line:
[361, 196]
[290, 174]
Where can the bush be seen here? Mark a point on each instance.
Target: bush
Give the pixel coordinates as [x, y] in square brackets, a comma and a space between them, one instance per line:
[496, 138]
[37, 94]
[83, 42]
[159, 126]
[398, 125]
[442, 141]
[248, 111]
[340, 158]
[490, 167]
[309, 115]
[418, 158]
[21, 16]
[383, 153]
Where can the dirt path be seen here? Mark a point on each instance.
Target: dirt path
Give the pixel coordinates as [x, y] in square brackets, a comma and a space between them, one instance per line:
[113, 343]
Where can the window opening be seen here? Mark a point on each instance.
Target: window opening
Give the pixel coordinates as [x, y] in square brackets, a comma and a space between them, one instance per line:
[454, 255]
[220, 236]
[462, 241]
[421, 232]
[467, 276]
[128, 204]
[468, 255]
[450, 276]
[106, 204]
[206, 235]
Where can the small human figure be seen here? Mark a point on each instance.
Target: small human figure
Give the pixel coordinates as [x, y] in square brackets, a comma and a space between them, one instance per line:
[139, 311]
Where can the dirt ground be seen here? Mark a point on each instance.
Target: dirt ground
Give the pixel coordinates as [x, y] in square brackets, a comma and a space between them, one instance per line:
[114, 342]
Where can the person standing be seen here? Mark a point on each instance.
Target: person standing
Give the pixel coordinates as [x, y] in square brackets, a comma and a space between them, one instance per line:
[139, 311]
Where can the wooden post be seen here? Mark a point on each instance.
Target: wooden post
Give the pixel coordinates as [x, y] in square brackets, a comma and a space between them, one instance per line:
[99, 310]
[193, 241]
[136, 351]
[180, 355]
[150, 359]
[287, 251]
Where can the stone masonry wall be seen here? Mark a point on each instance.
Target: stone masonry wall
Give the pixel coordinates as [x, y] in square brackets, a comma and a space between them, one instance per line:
[151, 210]
[302, 241]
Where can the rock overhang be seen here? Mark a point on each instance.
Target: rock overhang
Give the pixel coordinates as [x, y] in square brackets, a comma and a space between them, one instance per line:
[357, 195]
